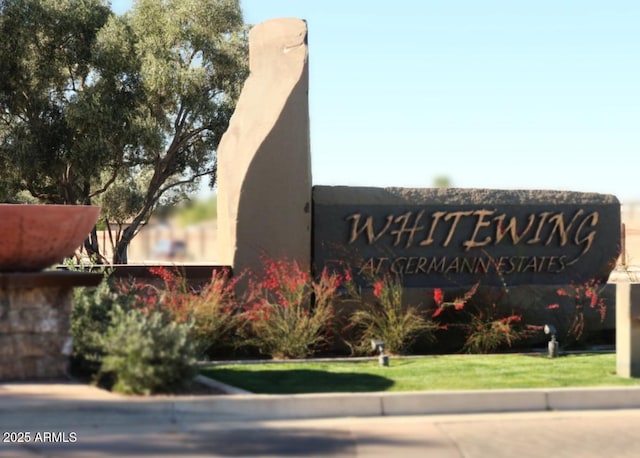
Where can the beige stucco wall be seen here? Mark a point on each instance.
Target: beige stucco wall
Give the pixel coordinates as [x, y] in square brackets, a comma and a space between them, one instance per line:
[631, 221]
[199, 241]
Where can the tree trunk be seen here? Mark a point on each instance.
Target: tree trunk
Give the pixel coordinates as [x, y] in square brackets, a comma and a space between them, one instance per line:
[120, 251]
[122, 245]
[92, 247]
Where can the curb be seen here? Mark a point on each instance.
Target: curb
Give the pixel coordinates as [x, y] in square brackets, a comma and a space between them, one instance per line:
[331, 405]
[326, 405]
[215, 384]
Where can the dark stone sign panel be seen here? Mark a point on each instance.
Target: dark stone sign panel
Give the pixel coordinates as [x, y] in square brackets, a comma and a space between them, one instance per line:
[456, 237]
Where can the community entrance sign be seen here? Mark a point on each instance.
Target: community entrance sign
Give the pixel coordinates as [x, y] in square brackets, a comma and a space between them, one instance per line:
[453, 237]
[429, 237]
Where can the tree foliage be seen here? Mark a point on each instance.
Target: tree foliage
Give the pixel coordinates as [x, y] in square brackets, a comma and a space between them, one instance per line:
[123, 111]
[54, 142]
[442, 182]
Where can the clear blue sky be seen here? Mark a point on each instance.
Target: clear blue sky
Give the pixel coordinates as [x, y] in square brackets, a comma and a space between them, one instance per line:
[495, 93]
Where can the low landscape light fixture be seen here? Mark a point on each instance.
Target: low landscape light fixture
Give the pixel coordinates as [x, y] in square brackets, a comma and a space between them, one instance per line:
[378, 345]
[550, 329]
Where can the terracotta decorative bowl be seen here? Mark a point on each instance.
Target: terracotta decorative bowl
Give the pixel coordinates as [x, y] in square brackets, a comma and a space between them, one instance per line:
[34, 237]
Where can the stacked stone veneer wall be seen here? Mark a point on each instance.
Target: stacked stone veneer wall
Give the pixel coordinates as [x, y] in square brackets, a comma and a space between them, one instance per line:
[34, 328]
[35, 312]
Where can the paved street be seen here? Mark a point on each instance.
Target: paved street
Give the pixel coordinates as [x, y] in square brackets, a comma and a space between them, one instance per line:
[611, 433]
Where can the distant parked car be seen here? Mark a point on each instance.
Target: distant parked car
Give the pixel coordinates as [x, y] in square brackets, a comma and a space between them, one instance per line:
[170, 249]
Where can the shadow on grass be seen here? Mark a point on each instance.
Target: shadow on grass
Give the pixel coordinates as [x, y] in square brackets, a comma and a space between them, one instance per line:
[298, 381]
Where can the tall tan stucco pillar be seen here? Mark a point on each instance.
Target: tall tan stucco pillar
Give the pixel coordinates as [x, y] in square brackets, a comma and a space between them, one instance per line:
[628, 329]
[264, 164]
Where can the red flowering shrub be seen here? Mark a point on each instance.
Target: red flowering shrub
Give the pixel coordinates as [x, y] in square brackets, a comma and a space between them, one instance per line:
[485, 326]
[211, 312]
[289, 314]
[487, 331]
[438, 297]
[387, 318]
[458, 303]
[583, 302]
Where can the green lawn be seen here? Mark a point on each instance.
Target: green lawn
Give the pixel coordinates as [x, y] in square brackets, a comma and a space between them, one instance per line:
[448, 372]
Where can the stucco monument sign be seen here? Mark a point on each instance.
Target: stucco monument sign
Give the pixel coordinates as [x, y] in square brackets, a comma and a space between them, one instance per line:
[431, 237]
[455, 237]
[533, 241]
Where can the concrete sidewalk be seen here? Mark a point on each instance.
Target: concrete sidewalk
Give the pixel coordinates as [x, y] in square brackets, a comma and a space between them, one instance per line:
[49, 403]
[87, 421]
